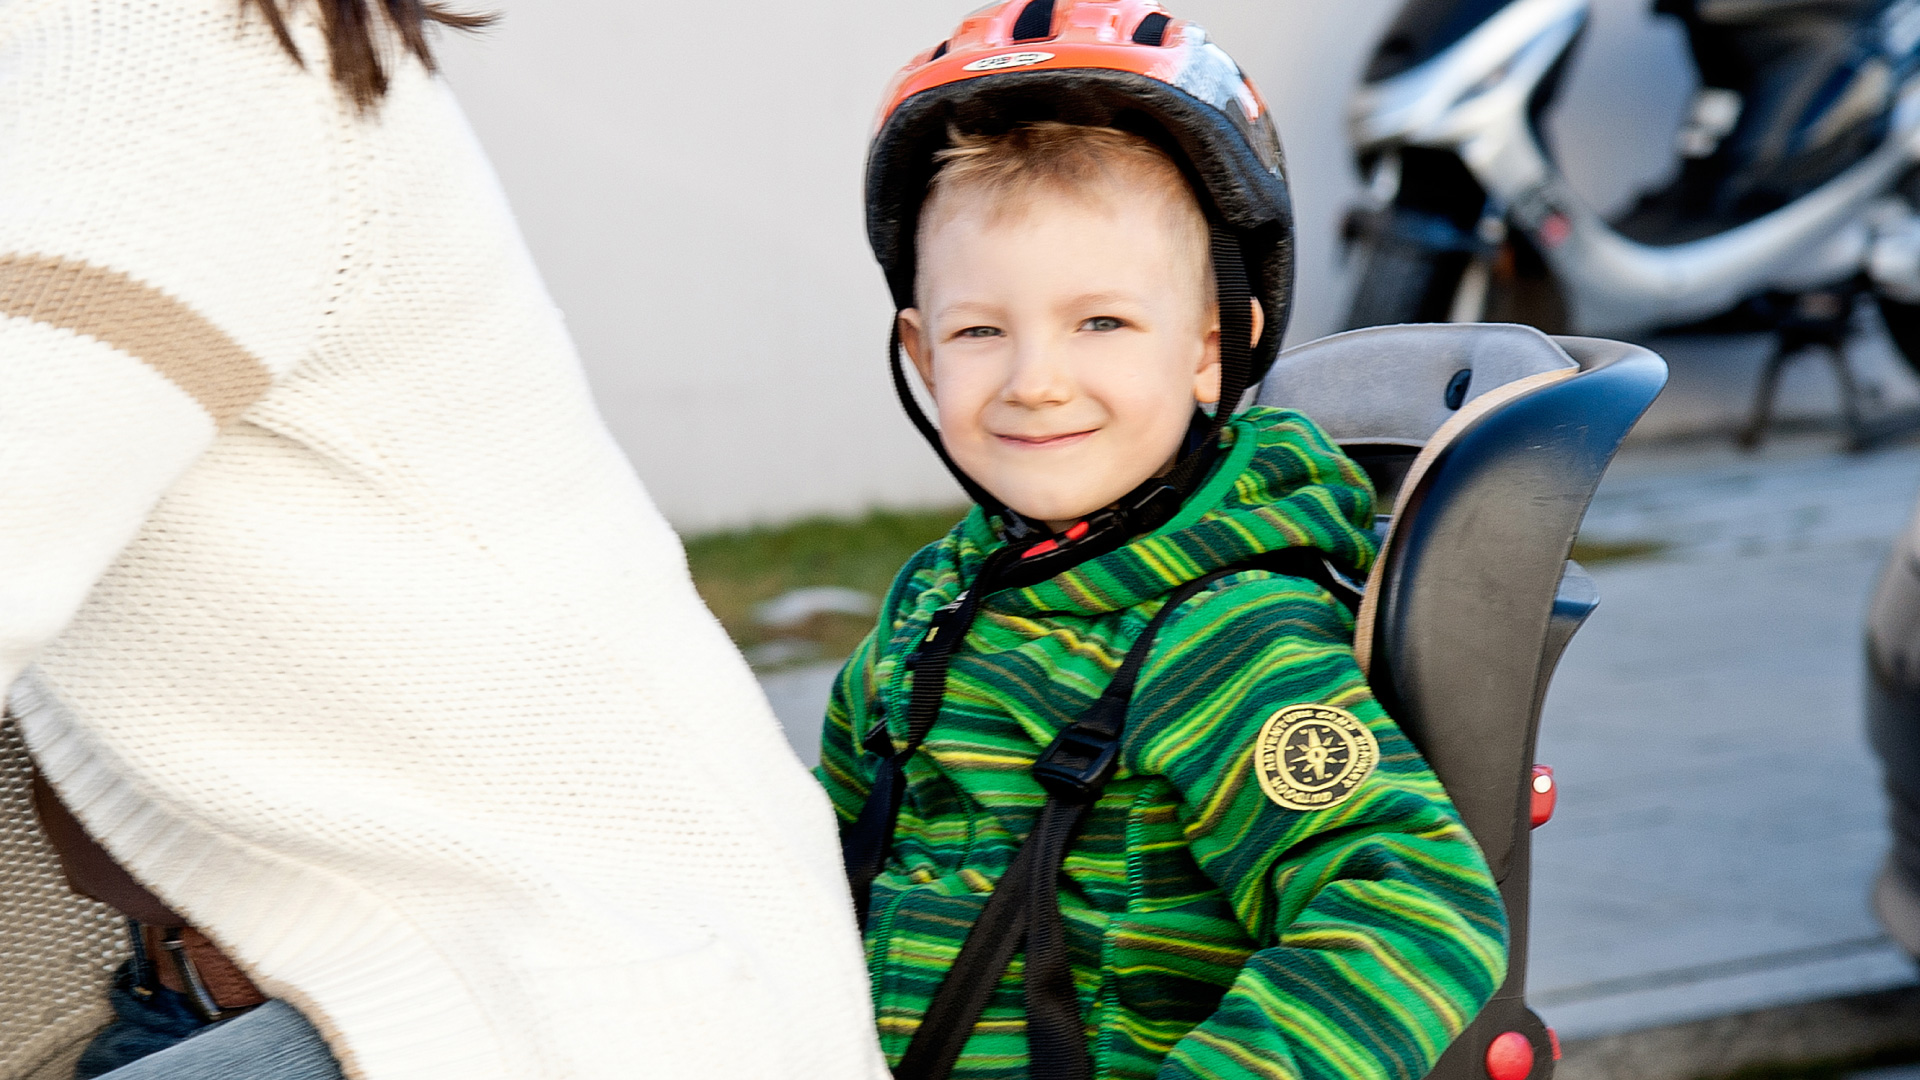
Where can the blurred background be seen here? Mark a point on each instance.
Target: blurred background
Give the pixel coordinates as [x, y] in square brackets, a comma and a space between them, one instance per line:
[693, 197]
[689, 181]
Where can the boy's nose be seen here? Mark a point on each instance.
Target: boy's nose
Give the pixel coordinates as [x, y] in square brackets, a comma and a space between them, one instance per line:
[1039, 375]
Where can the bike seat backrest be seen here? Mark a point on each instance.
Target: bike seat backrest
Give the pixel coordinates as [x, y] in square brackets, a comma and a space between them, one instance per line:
[1472, 598]
[1457, 630]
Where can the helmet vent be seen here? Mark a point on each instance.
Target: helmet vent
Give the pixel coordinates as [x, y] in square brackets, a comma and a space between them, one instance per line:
[1035, 21]
[1152, 29]
[939, 52]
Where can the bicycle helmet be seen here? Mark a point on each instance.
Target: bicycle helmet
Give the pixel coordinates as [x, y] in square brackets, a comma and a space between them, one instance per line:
[1124, 64]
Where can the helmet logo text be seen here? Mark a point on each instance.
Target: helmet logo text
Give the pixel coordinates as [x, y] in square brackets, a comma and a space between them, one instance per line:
[1009, 60]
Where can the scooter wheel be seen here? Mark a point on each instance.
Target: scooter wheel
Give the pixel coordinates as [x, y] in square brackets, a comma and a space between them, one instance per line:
[1403, 282]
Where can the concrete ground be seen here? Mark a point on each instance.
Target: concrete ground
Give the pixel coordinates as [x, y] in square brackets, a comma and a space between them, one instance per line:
[1872, 1036]
[1720, 814]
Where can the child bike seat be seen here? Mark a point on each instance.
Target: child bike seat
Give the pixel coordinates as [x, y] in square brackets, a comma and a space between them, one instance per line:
[1488, 441]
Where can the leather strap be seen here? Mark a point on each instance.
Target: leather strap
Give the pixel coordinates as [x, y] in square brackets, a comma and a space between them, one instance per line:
[189, 964]
[183, 958]
[92, 872]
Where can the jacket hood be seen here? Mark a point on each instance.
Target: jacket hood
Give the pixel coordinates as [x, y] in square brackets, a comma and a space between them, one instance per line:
[1280, 483]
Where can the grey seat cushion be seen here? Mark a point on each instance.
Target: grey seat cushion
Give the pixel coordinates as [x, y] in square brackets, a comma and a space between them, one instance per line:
[1388, 384]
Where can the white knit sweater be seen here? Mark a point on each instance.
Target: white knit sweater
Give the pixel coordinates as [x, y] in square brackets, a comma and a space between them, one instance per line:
[337, 616]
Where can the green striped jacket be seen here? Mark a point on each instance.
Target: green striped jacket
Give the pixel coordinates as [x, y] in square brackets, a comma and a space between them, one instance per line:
[1214, 932]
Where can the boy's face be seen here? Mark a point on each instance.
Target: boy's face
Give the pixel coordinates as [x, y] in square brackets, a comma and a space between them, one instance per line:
[1065, 342]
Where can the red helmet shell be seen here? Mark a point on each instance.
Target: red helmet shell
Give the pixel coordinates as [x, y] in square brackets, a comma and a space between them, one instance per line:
[1114, 63]
[1093, 34]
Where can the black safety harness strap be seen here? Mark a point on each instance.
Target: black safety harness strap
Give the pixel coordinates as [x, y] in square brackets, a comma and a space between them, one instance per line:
[865, 843]
[1027, 902]
[1025, 908]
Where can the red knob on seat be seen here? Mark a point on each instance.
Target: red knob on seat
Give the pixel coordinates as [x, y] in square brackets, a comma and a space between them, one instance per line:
[1510, 1057]
[1545, 793]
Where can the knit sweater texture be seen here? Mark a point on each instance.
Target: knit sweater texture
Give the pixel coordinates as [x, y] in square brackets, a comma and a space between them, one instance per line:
[335, 613]
[1214, 932]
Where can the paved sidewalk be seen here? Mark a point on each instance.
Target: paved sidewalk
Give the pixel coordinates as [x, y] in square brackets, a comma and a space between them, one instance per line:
[1711, 390]
[799, 699]
[1820, 1040]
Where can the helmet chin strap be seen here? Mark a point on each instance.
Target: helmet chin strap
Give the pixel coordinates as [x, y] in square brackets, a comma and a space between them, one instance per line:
[1155, 501]
[1235, 297]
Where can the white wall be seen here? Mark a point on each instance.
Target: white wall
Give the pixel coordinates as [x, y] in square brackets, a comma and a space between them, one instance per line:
[688, 177]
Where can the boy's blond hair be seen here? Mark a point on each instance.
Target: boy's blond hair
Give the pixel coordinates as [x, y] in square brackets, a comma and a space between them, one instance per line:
[1004, 172]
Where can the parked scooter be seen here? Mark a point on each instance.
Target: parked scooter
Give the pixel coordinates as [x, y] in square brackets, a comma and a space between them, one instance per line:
[1797, 194]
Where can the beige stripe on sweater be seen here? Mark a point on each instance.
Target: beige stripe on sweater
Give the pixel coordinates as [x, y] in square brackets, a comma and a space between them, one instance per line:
[135, 318]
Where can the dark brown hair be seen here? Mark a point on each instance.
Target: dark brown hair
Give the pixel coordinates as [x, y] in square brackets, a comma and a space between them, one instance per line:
[354, 43]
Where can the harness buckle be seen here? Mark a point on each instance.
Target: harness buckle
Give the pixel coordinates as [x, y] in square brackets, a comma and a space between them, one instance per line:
[199, 998]
[1078, 764]
[936, 623]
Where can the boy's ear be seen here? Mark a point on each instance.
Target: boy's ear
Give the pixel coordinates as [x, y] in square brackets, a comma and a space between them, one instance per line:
[1206, 381]
[913, 336]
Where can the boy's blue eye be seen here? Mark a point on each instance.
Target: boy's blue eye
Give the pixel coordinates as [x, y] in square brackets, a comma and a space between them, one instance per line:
[979, 332]
[1102, 323]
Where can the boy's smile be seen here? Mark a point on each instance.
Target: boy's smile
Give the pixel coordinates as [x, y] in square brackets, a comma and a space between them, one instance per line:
[1065, 338]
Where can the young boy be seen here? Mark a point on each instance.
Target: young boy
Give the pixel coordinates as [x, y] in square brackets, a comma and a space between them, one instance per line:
[1257, 874]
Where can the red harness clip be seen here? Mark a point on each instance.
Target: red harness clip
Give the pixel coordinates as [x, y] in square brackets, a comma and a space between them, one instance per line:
[1079, 530]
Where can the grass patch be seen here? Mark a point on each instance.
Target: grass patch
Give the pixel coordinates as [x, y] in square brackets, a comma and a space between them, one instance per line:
[1594, 552]
[738, 571]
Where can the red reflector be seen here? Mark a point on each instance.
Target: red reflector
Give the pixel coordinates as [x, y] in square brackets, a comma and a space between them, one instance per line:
[1078, 531]
[1510, 1057]
[1545, 795]
[1555, 230]
[1553, 1040]
[1041, 548]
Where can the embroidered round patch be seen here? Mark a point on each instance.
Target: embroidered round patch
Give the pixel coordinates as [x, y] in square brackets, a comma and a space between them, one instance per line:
[1312, 757]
